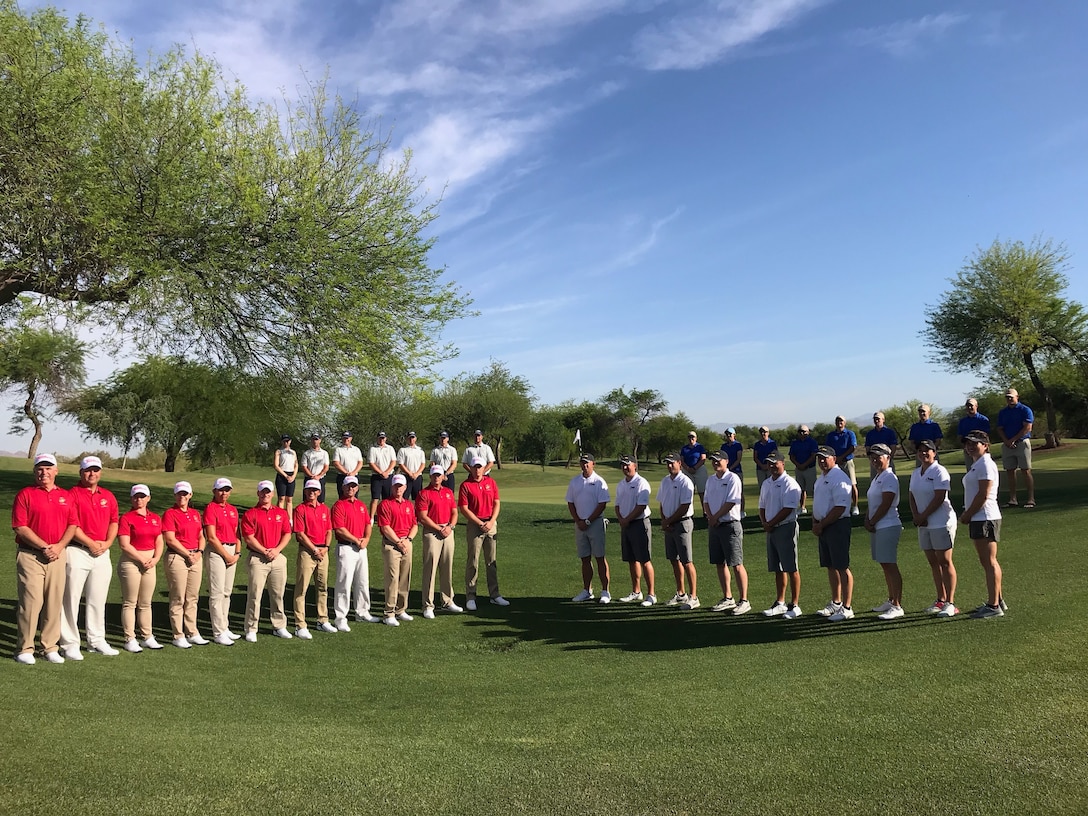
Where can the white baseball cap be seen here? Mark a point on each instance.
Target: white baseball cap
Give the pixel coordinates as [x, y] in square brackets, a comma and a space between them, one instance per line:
[222, 483]
[90, 462]
[183, 487]
[437, 469]
[399, 479]
[140, 490]
[312, 484]
[265, 485]
[45, 459]
[351, 480]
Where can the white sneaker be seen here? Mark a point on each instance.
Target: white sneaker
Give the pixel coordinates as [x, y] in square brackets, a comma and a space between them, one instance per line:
[691, 603]
[103, 649]
[893, 613]
[606, 596]
[743, 515]
[843, 613]
[947, 611]
[325, 626]
[303, 634]
[251, 637]
[676, 599]
[934, 608]
[584, 595]
[223, 639]
[470, 604]
[282, 633]
[499, 600]
[428, 613]
[742, 607]
[792, 612]
[650, 600]
[884, 607]
[132, 646]
[855, 512]
[452, 607]
[802, 512]
[233, 635]
[342, 626]
[73, 654]
[366, 617]
[54, 657]
[404, 616]
[182, 643]
[634, 596]
[198, 640]
[777, 608]
[723, 605]
[390, 621]
[151, 643]
[26, 658]
[829, 610]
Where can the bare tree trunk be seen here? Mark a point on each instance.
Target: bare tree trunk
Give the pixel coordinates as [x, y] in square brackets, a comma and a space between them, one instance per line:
[32, 415]
[498, 453]
[1048, 403]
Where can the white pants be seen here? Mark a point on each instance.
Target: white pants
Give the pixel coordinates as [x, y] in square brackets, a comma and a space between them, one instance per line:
[90, 575]
[352, 570]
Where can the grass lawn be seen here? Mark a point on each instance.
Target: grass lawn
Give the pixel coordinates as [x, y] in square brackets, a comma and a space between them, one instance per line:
[552, 707]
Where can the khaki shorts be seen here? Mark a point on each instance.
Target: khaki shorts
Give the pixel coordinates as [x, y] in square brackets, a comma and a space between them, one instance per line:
[1018, 457]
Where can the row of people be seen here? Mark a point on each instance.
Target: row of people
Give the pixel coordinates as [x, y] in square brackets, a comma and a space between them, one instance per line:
[381, 462]
[64, 539]
[780, 500]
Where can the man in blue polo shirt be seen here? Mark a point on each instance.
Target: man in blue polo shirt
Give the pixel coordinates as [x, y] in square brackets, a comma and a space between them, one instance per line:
[845, 442]
[803, 456]
[761, 449]
[925, 428]
[1014, 423]
[733, 449]
[881, 434]
[971, 421]
[693, 456]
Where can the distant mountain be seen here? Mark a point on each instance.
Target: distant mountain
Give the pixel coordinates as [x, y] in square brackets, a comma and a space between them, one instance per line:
[15, 454]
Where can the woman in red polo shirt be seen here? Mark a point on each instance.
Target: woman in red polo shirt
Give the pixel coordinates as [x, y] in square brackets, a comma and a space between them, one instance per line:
[183, 534]
[140, 535]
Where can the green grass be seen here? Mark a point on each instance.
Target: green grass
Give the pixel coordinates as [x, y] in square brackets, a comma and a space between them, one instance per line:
[552, 707]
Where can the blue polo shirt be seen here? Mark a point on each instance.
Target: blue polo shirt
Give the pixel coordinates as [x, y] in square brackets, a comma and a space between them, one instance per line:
[1011, 418]
[978, 422]
[734, 449]
[925, 430]
[691, 454]
[802, 449]
[841, 441]
[763, 449]
[884, 436]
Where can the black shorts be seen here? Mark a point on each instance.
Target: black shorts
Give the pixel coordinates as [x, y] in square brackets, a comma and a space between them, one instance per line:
[284, 487]
[988, 530]
[635, 541]
[834, 544]
[381, 487]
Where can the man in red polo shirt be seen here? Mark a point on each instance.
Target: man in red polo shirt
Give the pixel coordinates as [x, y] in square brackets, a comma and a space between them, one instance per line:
[436, 508]
[351, 524]
[41, 519]
[88, 573]
[221, 533]
[266, 529]
[478, 500]
[313, 531]
[397, 521]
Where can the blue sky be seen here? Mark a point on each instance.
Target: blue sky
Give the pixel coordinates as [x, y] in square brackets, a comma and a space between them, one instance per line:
[745, 204]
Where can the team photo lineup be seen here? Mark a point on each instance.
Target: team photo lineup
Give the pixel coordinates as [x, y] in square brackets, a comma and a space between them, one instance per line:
[64, 537]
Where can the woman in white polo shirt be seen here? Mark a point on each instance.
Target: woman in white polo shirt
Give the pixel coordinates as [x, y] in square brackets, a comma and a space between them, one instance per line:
[982, 516]
[882, 522]
[932, 514]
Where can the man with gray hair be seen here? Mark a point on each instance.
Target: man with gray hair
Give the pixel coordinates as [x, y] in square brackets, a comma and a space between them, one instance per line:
[803, 456]
[972, 420]
[675, 497]
[587, 498]
[925, 428]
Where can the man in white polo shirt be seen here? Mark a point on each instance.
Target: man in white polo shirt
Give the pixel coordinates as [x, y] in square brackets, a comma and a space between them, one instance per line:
[726, 536]
[633, 515]
[675, 497]
[411, 461]
[481, 450]
[779, 498]
[382, 461]
[587, 498]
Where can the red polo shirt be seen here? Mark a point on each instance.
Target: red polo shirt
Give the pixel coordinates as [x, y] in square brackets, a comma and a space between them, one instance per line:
[93, 511]
[352, 515]
[400, 515]
[315, 522]
[46, 512]
[185, 525]
[438, 503]
[266, 525]
[142, 531]
[224, 518]
[479, 497]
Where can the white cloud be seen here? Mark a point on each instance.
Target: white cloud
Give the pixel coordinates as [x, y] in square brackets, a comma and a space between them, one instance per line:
[713, 32]
[906, 37]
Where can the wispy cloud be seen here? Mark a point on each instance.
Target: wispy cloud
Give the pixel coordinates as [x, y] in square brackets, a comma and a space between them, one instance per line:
[908, 36]
[714, 31]
[647, 242]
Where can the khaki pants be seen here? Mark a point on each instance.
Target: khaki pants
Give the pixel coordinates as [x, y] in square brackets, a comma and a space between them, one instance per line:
[184, 583]
[309, 567]
[274, 574]
[41, 596]
[479, 540]
[220, 584]
[398, 576]
[437, 556]
[137, 590]
[86, 575]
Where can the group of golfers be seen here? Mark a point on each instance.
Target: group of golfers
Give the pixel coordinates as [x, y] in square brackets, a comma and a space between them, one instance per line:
[64, 538]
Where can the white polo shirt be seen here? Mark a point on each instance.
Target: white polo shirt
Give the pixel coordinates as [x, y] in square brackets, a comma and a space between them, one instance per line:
[721, 490]
[673, 492]
[630, 493]
[832, 490]
[446, 456]
[349, 456]
[483, 450]
[776, 494]
[411, 457]
[585, 494]
[923, 486]
[383, 456]
[984, 469]
[885, 482]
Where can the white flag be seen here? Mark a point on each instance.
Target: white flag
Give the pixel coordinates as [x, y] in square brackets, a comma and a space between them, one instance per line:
[578, 437]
